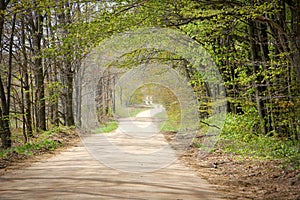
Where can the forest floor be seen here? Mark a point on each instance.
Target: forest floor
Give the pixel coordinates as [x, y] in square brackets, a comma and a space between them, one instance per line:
[243, 178]
[232, 175]
[14, 160]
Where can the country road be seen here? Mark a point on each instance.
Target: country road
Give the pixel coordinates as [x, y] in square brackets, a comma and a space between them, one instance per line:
[133, 162]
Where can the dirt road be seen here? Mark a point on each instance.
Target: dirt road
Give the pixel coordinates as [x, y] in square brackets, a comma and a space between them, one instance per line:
[125, 164]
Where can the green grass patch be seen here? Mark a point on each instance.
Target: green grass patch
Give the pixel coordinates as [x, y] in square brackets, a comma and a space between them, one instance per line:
[106, 128]
[44, 141]
[171, 122]
[132, 112]
[170, 125]
[238, 138]
[29, 148]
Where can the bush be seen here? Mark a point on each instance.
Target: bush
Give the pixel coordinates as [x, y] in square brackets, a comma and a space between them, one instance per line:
[240, 136]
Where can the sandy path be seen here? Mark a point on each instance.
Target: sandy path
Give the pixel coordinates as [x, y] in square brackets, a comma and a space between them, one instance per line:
[132, 166]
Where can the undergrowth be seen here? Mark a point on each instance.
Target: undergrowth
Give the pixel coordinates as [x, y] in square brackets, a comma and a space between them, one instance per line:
[44, 141]
[239, 137]
[170, 123]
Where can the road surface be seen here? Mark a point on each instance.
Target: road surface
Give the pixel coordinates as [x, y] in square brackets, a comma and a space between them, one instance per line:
[134, 162]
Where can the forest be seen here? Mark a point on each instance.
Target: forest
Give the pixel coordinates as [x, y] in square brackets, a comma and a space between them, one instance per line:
[254, 43]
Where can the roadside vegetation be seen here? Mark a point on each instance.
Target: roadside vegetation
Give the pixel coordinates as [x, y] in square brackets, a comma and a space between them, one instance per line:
[245, 164]
[133, 111]
[44, 142]
[239, 137]
[107, 127]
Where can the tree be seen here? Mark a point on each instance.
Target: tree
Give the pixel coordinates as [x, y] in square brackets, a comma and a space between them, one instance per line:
[36, 27]
[5, 96]
[254, 43]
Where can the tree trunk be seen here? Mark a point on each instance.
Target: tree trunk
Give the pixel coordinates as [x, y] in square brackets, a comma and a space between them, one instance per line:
[26, 85]
[37, 32]
[22, 108]
[265, 88]
[4, 121]
[4, 110]
[67, 71]
[295, 37]
[255, 49]
[78, 96]
[69, 96]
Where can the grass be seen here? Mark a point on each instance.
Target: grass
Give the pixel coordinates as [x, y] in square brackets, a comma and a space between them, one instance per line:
[134, 111]
[171, 122]
[238, 138]
[113, 125]
[170, 125]
[44, 141]
[106, 128]
[29, 148]
[263, 147]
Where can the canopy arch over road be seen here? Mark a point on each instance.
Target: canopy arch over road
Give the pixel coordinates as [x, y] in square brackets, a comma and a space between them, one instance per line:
[110, 50]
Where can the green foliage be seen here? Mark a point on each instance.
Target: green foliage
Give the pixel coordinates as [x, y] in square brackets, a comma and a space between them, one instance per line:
[54, 90]
[238, 137]
[169, 124]
[43, 142]
[132, 112]
[171, 120]
[31, 146]
[106, 128]
[165, 97]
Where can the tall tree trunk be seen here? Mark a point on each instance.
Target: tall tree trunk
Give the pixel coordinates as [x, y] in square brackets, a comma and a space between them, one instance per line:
[22, 108]
[37, 32]
[78, 94]
[4, 121]
[4, 110]
[255, 49]
[295, 48]
[265, 60]
[295, 36]
[69, 96]
[26, 84]
[68, 74]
